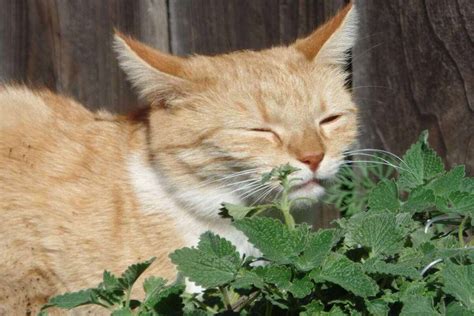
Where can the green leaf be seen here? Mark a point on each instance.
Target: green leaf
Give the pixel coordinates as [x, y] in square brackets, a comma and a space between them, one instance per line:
[456, 309]
[153, 286]
[248, 279]
[312, 309]
[168, 301]
[462, 203]
[448, 182]
[301, 288]
[377, 307]
[384, 197]
[213, 263]
[459, 282]
[419, 200]
[467, 185]
[377, 266]
[420, 163]
[133, 272]
[275, 241]
[378, 231]
[419, 305]
[340, 270]
[317, 248]
[275, 274]
[238, 211]
[71, 300]
[214, 245]
[110, 282]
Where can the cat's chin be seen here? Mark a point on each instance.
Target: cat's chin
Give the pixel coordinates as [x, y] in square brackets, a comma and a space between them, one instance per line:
[309, 190]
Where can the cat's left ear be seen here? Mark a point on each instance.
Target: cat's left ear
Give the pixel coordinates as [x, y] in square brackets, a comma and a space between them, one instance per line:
[330, 42]
[156, 75]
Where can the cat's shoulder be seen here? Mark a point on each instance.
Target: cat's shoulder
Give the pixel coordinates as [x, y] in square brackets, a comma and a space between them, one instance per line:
[21, 105]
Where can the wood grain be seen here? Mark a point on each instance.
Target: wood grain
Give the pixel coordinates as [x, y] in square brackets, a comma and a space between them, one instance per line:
[413, 70]
[216, 26]
[66, 46]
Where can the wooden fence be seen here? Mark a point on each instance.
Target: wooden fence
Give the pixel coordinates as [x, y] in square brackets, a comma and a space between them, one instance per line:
[412, 67]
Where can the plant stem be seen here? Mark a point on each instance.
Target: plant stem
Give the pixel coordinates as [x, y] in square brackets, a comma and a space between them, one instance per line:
[285, 205]
[268, 309]
[225, 296]
[127, 298]
[461, 230]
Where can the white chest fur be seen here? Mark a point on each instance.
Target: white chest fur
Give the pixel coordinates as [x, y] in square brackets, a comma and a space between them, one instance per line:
[201, 216]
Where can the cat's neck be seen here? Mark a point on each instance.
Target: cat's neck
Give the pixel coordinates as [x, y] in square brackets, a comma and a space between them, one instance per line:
[194, 211]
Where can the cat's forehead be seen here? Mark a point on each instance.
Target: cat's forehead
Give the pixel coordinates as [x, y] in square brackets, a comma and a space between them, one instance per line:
[275, 77]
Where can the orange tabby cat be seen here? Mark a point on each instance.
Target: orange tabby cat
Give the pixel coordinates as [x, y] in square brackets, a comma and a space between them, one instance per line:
[81, 192]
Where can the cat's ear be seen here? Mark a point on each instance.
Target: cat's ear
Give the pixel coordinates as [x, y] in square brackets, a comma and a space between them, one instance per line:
[330, 42]
[156, 75]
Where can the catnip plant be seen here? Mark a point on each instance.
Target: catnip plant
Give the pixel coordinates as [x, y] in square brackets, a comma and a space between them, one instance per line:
[408, 250]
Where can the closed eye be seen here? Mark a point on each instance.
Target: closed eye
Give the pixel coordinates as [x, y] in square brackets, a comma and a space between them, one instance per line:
[330, 119]
[266, 130]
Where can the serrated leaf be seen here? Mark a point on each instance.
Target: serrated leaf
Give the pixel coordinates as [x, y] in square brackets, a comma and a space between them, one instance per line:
[410, 289]
[377, 266]
[340, 270]
[248, 279]
[467, 185]
[110, 282]
[275, 274]
[462, 203]
[377, 307]
[419, 200]
[420, 163]
[312, 309]
[459, 282]
[419, 305]
[213, 263]
[153, 286]
[317, 248]
[457, 309]
[384, 197]
[72, 300]
[377, 231]
[275, 241]
[168, 301]
[449, 182]
[214, 245]
[301, 288]
[133, 272]
[237, 211]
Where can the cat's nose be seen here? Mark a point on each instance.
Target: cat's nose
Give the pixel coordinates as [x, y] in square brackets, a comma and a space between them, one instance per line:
[312, 160]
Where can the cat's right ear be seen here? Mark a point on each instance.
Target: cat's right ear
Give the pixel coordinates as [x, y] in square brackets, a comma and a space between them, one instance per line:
[157, 76]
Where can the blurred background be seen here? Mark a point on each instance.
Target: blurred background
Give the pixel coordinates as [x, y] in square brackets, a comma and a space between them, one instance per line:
[412, 68]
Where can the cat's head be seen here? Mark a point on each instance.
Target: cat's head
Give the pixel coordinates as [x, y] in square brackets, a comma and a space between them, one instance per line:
[219, 122]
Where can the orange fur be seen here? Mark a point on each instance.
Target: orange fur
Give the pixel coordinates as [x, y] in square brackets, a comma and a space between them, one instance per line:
[81, 192]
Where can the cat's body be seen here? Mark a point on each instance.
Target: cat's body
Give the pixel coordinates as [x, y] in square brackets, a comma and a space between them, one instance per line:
[83, 192]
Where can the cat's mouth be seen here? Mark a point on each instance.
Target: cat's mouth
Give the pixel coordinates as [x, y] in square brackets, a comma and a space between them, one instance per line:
[307, 184]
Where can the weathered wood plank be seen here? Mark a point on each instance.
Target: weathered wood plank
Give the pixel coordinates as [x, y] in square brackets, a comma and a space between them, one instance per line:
[216, 26]
[66, 46]
[413, 70]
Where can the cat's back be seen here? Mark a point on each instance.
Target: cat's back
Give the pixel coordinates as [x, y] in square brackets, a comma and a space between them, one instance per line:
[23, 108]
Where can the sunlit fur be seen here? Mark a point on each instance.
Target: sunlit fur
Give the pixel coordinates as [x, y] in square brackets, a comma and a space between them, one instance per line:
[81, 192]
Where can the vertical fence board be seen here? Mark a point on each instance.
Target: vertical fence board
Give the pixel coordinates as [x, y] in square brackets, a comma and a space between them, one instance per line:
[215, 26]
[413, 70]
[66, 46]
